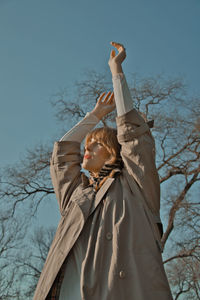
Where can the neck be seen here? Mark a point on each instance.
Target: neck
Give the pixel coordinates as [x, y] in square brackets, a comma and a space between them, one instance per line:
[95, 174]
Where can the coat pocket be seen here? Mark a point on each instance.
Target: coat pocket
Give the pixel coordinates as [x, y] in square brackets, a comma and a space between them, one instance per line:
[153, 222]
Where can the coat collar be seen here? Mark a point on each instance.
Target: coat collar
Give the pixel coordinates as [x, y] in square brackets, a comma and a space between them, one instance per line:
[101, 192]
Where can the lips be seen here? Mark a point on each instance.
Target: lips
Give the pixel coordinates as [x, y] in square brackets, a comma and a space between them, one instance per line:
[87, 156]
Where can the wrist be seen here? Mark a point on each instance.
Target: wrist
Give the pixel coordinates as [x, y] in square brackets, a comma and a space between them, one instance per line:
[97, 114]
[116, 69]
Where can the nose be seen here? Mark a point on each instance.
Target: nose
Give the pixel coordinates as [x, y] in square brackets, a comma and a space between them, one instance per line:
[87, 147]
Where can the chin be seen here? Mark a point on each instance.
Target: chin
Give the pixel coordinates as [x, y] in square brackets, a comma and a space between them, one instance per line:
[86, 166]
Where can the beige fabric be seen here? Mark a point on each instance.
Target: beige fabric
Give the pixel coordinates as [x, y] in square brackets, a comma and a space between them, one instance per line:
[70, 288]
[79, 131]
[123, 99]
[123, 260]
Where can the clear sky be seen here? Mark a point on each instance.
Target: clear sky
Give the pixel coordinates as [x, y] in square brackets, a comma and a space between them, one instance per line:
[46, 45]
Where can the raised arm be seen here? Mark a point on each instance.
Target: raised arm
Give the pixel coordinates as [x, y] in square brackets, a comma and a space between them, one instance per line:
[104, 105]
[66, 158]
[138, 147]
[123, 100]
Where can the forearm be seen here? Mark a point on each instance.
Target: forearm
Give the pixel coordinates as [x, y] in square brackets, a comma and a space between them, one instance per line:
[123, 99]
[81, 129]
[116, 69]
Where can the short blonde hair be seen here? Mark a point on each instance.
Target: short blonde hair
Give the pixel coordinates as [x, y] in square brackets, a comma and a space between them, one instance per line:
[107, 136]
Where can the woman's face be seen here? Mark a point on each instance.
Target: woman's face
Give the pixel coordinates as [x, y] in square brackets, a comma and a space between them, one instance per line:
[96, 155]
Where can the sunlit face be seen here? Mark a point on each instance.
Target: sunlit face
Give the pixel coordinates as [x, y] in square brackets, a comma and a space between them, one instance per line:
[96, 155]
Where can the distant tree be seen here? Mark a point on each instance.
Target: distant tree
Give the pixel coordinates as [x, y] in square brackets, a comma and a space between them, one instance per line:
[177, 135]
[29, 262]
[11, 237]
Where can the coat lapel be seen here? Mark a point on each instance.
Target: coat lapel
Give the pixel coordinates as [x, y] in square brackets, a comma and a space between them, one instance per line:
[101, 192]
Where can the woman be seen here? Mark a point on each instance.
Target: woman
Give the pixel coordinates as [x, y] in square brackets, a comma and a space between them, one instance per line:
[107, 245]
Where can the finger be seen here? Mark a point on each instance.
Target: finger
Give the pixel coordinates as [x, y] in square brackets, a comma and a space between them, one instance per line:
[119, 46]
[112, 54]
[121, 50]
[111, 98]
[101, 96]
[107, 97]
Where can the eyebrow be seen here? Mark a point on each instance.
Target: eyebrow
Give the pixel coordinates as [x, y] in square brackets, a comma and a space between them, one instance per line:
[90, 143]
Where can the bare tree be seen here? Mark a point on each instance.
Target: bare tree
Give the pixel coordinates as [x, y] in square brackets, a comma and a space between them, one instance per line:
[11, 237]
[177, 135]
[27, 264]
[184, 275]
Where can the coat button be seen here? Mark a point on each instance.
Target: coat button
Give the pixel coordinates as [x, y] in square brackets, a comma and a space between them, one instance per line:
[109, 236]
[121, 274]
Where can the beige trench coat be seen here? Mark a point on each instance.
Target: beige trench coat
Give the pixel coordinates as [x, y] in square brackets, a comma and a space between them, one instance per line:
[123, 259]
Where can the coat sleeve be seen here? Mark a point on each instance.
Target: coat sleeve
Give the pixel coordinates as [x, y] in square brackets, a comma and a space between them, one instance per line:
[138, 154]
[65, 170]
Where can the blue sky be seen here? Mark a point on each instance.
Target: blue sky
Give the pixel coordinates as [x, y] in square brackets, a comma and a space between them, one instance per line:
[46, 45]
